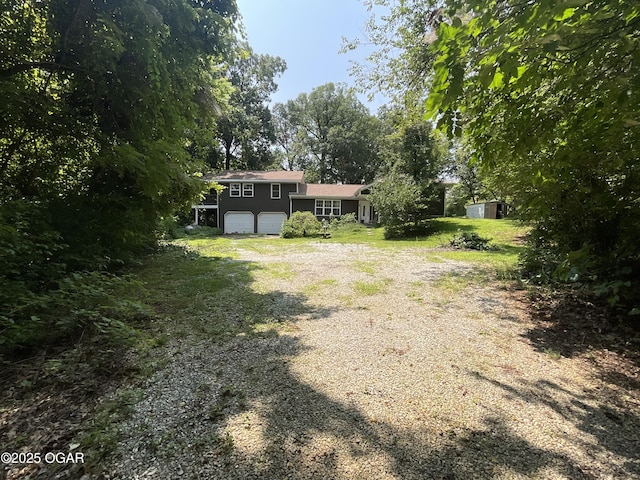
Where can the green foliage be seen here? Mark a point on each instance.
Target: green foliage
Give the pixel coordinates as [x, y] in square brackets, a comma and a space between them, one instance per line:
[102, 104]
[471, 241]
[330, 134]
[396, 199]
[301, 224]
[246, 130]
[456, 201]
[346, 220]
[99, 112]
[83, 304]
[407, 230]
[545, 93]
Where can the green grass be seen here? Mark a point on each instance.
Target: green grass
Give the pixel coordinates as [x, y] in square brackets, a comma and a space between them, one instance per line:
[372, 288]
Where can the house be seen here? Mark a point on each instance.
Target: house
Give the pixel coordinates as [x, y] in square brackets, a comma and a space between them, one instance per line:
[493, 209]
[261, 201]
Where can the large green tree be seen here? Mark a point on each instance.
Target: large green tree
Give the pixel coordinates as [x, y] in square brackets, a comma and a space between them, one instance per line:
[246, 129]
[99, 101]
[332, 135]
[548, 94]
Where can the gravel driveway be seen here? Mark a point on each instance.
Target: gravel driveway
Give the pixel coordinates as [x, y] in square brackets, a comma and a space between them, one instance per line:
[377, 364]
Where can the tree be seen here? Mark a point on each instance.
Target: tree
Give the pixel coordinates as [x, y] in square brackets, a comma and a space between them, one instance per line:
[290, 143]
[100, 98]
[246, 129]
[554, 114]
[100, 104]
[413, 148]
[334, 133]
[547, 93]
[396, 197]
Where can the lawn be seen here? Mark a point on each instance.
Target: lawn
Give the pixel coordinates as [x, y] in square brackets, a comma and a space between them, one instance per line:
[506, 235]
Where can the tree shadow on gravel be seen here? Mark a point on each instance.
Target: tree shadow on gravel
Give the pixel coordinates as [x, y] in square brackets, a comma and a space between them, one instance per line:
[603, 415]
[246, 414]
[301, 427]
[568, 326]
[262, 421]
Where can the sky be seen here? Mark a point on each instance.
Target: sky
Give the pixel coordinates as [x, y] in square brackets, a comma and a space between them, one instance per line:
[307, 34]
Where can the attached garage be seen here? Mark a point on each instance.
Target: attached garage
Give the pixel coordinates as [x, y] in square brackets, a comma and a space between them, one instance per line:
[271, 222]
[238, 222]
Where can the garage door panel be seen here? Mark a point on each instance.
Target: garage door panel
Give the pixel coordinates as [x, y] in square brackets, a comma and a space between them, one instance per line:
[238, 222]
[271, 222]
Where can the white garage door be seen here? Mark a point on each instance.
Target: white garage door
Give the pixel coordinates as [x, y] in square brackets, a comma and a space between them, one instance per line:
[271, 222]
[238, 222]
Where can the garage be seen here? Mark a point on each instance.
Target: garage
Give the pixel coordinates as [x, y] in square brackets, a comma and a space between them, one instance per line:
[238, 222]
[271, 222]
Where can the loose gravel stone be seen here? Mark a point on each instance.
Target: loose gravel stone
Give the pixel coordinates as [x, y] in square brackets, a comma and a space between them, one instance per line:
[370, 368]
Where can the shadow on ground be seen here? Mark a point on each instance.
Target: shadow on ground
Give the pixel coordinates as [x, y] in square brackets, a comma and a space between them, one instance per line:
[251, 338]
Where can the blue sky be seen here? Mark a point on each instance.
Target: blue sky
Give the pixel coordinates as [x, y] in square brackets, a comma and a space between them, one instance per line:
[307, 34]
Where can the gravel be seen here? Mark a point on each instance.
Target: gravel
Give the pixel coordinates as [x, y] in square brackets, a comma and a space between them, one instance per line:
[373, 367]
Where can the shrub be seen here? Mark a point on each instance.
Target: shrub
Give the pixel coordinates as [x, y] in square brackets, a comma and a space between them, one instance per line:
[301, 224]
[344, 220]
[470, 241]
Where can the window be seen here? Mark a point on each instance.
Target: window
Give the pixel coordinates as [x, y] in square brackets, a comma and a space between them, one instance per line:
[326, 208]
[275, 190]
[234, 190]
[247, 189]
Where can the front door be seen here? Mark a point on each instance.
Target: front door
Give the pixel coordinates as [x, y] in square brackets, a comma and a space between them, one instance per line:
[364, 212]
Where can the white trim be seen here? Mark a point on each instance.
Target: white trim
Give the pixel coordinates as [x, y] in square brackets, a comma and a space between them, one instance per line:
[324, 207]
[244, 189]
[239, 190]
[279, 191]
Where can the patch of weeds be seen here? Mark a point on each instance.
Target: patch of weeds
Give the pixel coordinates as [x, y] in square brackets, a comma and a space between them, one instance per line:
[553, 354]
[102, 437]
[158, 341]
[226, 444]
[216, 412]
[346, 300]
[364, 267]
[372, 288]
[319, 287]
[455, 282]
[280, 271]
[415, 296]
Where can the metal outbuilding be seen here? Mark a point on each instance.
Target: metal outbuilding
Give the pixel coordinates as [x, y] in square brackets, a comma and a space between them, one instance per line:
[493, 209]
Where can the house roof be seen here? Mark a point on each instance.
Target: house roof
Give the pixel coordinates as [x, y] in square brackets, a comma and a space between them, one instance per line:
[283, 176]
[325, 190]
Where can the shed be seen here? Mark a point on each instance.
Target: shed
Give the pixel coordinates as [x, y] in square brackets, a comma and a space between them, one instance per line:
[493, 209]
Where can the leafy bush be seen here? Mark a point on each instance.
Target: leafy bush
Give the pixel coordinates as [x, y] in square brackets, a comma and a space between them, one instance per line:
[301, 224]
[85, 304]
[609, 281]
[470, 241]
[344, 221]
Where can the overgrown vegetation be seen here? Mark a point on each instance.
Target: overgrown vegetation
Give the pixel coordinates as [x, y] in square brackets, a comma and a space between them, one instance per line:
[301, 224]
[471, 241]
[521, 84]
